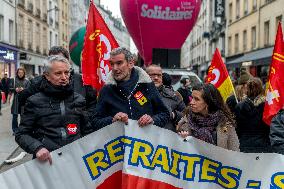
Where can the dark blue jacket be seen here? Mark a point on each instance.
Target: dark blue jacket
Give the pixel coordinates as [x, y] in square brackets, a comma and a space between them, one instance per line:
[113, 99]
[253, 133]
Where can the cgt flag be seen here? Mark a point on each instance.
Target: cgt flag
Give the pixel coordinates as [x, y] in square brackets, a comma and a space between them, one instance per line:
[219, 77]
[98, 43]
[274, 87]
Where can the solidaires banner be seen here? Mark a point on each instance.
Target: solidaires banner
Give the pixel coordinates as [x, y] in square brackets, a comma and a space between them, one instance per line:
[130, 157]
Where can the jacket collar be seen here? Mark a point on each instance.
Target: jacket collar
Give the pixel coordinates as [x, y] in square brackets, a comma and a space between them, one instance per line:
[142, 75]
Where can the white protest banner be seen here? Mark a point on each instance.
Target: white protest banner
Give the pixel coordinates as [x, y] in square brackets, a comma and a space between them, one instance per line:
[127, 156]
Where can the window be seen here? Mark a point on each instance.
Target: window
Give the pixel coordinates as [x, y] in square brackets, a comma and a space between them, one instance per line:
[37, 37]
[230, 12]
[238, 9]
[245, 7]
[30, 34]
[278, 19]
[56, 39]
[236, 43]
[50, 39]
[266, 33]
[244, 40]
[44, 41]
[253, 37]
[11, 31]
[254, 5]
[50, 5]
[44, 9]
[20, 31]
[1, 27]
[230, 45]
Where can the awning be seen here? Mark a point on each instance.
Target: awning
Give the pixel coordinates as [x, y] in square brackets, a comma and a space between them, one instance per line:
[258, 57]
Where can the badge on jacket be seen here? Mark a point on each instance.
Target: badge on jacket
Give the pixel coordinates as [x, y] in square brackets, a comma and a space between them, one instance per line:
[141, 99]
[72, 128]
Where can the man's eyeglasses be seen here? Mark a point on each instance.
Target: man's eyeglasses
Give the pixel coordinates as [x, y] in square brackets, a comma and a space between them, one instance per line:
[155, 75]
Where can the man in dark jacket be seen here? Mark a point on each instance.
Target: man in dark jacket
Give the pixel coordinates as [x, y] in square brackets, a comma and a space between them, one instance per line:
[54, 116]
[174, 104]
[86, 91]
[277, 132]
[185, 90]
[129, 94]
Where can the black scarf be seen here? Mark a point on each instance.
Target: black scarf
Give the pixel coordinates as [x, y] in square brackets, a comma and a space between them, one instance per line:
[60, 92]
[203, 127]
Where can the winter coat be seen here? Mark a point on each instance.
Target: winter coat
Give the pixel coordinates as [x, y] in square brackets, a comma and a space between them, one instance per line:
[86, 91]
[252, 131]
[174, 104]
[52, 118]
[277, 133]
[24, 83]
[226, 134]
[5, 84]
[139, 96]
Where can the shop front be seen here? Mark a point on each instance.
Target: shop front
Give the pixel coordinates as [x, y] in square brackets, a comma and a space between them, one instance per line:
[257, 62]
[33, 63]
[8, 60]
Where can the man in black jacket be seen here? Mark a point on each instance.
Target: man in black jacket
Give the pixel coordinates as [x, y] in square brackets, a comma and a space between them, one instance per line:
[54, 116]
[129, 94]
[86, 91]
[174, 104]
[185, 90]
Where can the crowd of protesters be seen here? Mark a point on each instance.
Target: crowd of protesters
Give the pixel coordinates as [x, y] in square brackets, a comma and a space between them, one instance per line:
[56, 108]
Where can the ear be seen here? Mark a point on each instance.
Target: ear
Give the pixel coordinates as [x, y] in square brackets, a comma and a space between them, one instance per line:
[131, 64]
[46, 75]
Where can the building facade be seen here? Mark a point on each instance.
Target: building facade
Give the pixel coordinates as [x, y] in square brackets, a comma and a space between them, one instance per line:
[79, 10]
[32, 34]
[119, 31]
[53, 23]
[8, 50]
[252, 27]
[194, 52]
[64, 23]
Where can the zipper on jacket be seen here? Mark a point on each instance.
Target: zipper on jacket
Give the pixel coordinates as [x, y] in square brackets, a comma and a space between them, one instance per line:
[63, 130]
[62, 108]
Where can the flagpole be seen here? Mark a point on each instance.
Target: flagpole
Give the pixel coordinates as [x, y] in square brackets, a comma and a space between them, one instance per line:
[235, 96]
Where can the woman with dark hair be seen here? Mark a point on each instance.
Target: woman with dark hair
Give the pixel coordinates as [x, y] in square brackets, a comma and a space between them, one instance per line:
[209, 119]
[252, 131]
[19, 84]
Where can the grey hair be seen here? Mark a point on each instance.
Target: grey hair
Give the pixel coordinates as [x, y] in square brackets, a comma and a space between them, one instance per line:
[122, 50]
[54, 58]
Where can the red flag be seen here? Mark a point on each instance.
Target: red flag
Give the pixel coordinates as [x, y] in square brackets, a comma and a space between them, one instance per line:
[219, 77]
[275, 85]
[98, 43]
